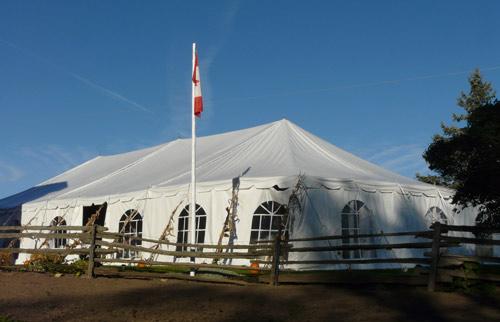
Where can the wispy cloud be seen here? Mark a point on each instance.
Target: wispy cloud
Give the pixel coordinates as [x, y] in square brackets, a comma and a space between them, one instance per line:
[405, 159]
[343, 87]
[55, 157]
[9, 172]
[24, 167]
[112, 94]
[92, 84]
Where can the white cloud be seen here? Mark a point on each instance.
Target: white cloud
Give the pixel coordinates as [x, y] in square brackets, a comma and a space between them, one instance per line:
[9, 172]
[405, 159]
[92, 84]
[55, 157]
[114, 95]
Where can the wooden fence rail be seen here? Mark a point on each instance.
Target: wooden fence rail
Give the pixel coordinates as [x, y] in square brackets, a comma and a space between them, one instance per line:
[181, 264]
[106, 235]
[470, 229]
[24, 228]
[60, 251]
[381, 234]
[359, 247]
[198, 254]
[45, 235]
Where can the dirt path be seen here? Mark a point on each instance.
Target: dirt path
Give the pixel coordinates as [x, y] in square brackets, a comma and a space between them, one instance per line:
[42, 297]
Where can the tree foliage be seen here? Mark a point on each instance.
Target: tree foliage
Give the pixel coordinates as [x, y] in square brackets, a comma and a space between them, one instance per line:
[467, 158]
[436, 180]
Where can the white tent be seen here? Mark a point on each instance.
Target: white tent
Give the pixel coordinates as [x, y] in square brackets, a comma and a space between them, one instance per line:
[343, 194]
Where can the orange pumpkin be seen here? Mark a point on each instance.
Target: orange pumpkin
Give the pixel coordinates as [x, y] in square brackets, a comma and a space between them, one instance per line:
[256, 266]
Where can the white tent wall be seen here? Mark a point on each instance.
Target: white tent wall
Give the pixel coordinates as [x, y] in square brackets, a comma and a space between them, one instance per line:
[214, 203]
[322, 216]
[156, 207]
[386, 210]
[43, 216]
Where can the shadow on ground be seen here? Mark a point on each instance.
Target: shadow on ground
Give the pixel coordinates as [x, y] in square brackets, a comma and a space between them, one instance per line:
[41, 297]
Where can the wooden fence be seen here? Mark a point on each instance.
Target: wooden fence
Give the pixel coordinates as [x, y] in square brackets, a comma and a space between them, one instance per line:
[96, 243]
[438, 260]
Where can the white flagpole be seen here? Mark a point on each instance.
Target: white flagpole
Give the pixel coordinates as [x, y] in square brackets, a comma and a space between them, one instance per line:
[192, 207]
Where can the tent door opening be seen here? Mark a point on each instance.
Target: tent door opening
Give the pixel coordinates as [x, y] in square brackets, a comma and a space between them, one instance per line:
[97, 213]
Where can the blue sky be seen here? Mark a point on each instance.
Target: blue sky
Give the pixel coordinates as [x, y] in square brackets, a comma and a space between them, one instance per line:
[83, 78]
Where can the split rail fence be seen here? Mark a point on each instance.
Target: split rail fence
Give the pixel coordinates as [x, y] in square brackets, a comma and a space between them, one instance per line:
[98, 246]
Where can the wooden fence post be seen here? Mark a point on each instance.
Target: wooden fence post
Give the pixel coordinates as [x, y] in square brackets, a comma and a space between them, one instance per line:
[90, 269]
[436, 239]
[275, 269]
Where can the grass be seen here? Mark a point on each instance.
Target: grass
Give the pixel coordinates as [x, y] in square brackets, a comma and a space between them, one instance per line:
[184, 270]
[221, 272]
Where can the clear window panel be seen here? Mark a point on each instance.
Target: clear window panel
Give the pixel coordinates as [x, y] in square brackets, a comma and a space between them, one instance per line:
[201, 237]
[260, 210]
[266, 222]
[256, 222]
[264, 235]
[276, 220]
[254, 236]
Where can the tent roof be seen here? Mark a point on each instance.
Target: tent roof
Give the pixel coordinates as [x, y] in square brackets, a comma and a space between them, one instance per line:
[278, 149]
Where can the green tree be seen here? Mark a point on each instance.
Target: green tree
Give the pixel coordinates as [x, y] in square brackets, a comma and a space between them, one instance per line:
[481, 93]
[466, 156]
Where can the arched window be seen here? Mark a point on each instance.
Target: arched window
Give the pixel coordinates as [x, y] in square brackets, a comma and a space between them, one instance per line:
[266, 221]
[356, 220]
[130, 226]
[183, 227]
[59, 242]
[436, 214]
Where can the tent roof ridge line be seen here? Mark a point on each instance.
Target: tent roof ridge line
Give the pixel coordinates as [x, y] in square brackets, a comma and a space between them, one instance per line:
[322, 151]
[215, 157]
[288, 146]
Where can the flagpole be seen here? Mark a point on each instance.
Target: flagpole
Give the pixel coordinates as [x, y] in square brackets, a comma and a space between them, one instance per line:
[192, 207]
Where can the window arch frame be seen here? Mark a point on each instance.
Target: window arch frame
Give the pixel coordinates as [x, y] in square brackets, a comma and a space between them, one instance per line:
[200, 230]
[59, 242]
[434, 213]
[130, 225]
[265, 223]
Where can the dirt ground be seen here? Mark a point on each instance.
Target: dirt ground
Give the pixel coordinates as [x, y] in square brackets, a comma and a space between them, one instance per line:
[43, 297]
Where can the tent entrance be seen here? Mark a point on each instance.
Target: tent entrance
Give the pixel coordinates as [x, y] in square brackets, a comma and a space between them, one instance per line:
[95, 214]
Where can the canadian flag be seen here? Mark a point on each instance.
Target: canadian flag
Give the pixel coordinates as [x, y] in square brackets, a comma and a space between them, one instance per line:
[197, 98]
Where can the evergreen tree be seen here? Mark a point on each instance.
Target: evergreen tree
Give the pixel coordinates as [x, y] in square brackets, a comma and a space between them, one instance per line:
[481, 93]
[467, 158]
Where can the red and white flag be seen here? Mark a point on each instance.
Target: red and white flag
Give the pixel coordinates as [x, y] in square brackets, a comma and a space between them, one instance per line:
[198, 100]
